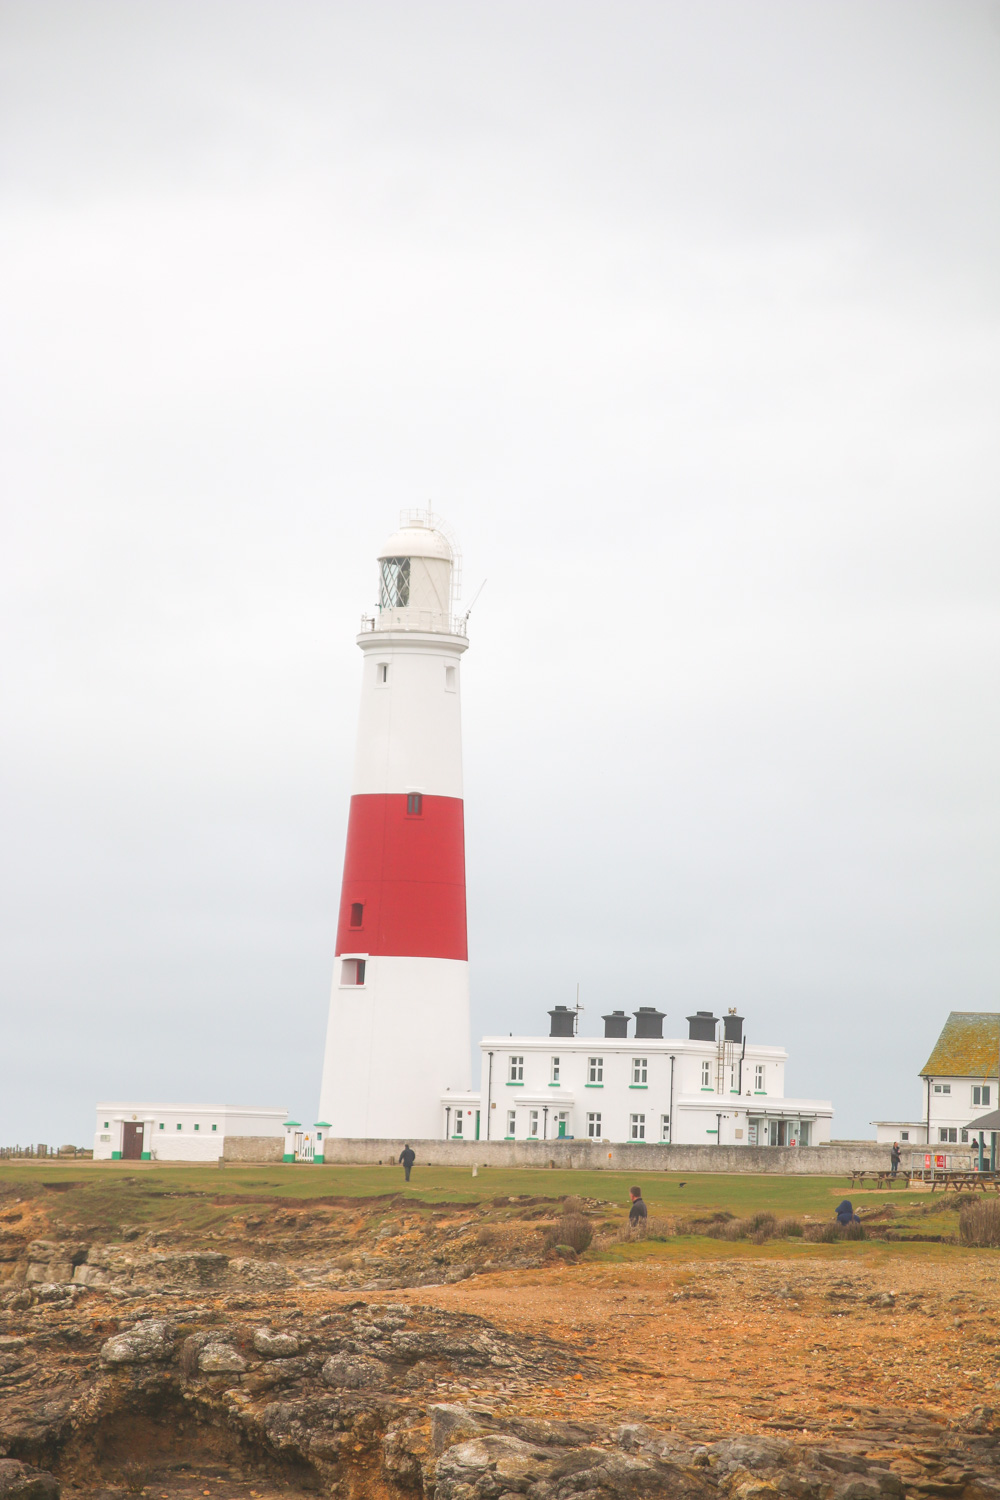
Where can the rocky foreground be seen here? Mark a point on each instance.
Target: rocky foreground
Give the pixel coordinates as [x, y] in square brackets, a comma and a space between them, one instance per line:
[130, 1368]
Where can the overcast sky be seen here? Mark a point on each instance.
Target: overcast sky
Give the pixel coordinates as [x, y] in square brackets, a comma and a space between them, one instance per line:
[685, 316]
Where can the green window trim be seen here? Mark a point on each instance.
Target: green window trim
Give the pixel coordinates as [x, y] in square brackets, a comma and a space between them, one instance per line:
[706, 1090]
[638, 1085]
[510, 1137]
[760, 1093]
[515, 1083]
[711, 1132]
[555, 1085]
[593, 1085]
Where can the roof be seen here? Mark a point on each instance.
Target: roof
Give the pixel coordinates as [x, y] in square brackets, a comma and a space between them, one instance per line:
[417, 540]
[989, 1122]
[968, 1046]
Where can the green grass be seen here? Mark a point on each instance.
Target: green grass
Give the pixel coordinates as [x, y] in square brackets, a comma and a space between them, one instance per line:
[115, 1194]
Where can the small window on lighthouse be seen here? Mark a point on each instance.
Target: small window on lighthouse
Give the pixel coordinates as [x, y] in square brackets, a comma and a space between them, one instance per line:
[382, 673]
[357, 913]
[352, 971]
[414, 805]
[450, 679]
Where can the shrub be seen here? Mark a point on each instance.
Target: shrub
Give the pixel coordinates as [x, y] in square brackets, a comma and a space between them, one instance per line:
[979, 1223]
[572, 1230]
[790, 1229]
[486, 1235]
[763, 1223]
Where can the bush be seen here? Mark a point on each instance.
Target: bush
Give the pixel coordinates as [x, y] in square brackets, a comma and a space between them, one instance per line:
[979, 1223]
[572, 1230]
[790, 1229]
[486, 1235]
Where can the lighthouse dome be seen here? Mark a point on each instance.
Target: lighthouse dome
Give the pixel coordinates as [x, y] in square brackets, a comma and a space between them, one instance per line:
[416, 576]
[417, 541]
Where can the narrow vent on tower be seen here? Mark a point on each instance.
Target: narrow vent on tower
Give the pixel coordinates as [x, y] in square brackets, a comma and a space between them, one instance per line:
[382, 673]
[450, 679]
[357, 913]
[414, 805]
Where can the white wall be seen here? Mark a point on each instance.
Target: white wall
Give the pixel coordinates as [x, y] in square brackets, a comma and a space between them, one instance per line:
[952, 1108]
[410, 727]
[394, 1045]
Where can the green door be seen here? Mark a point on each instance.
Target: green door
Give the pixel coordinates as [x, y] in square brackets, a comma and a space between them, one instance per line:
[477, 1124]
[562, 1129]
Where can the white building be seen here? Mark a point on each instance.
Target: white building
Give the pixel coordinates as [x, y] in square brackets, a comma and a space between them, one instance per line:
[399, 1032]
[959, 1085]
[180, 1132]
[712, 1087]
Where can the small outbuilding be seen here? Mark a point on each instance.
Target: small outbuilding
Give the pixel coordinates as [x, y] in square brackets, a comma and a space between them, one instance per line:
[188, 1132]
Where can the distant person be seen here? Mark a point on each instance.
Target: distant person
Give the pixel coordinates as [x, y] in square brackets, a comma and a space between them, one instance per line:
[845, 1213]
[637, 1211]
[407, 1156]
[895, 1156]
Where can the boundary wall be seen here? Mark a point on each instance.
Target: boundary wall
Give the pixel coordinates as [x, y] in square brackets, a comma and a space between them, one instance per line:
[624, 1156]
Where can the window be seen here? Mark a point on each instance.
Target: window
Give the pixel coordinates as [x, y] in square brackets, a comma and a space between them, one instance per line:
[382, 673]
[215, 1127]
[706, 1075]
[732, 1081]
[352, 971]
[758, 1078]
[197, 1127]
[639, 1067]
[948, 1133]
[179, 1126]
[357, 913]
[555, 1070]
[942, 1088]
[532, 1122]
[414, 805]
[637, 1127]
[664, 1127]
[459, 1121]
[450, 679]
[161, 1125]
[981, 1094]
[107, 1125]
[394, 583]
[511, 1120]
[904, 1135]
[595, 1070]
[594, 1127]
[965, 1137]
[516, 1071]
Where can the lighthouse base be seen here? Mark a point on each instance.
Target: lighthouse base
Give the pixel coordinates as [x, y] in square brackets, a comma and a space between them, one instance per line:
[394, 1045]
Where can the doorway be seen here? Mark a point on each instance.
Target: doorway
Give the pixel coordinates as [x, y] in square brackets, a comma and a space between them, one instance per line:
[132, 1140]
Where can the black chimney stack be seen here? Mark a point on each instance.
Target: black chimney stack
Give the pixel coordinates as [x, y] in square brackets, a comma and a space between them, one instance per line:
[701, 1026]
[733, 1028]
[649, 1022]
[616, 1024]
[562, 1021]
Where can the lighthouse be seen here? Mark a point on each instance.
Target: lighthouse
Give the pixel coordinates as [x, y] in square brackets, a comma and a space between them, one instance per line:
[398, 1033]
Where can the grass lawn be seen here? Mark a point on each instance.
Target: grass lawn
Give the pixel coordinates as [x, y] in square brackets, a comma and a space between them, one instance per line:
[144, 1195]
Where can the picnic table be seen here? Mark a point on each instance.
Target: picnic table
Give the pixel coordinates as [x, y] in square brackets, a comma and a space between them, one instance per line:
[961, 1181]
[879, 1178]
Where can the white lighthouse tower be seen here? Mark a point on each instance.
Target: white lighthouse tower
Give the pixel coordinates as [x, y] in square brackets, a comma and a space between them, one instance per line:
[398, 1035]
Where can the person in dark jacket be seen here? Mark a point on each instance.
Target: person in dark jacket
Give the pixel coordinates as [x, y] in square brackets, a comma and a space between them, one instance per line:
[407, 1156]
[637, 1211]
[895, 1156]
[845, 1213]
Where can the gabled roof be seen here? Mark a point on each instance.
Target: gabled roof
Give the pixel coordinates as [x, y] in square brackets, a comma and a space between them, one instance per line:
[968, 1047]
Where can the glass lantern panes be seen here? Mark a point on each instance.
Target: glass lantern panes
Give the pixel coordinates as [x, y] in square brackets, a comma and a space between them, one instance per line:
[395, 583]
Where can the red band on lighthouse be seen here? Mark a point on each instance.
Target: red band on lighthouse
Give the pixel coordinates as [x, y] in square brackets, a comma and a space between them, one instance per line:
[403, 893]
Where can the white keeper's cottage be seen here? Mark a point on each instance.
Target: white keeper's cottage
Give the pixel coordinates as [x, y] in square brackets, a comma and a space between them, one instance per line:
[958, 1083]
[711, 1087]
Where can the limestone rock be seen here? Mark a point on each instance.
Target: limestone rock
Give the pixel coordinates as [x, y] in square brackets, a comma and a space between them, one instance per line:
[451, 1424]
[148, 1340]
[275, 1345]
[221, 1359]
[21, 1482]
[354, 1373]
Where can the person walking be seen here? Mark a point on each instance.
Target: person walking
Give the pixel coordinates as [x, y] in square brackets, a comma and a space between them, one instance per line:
[407, 1156]
[895, 1156]
[637, 1211]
